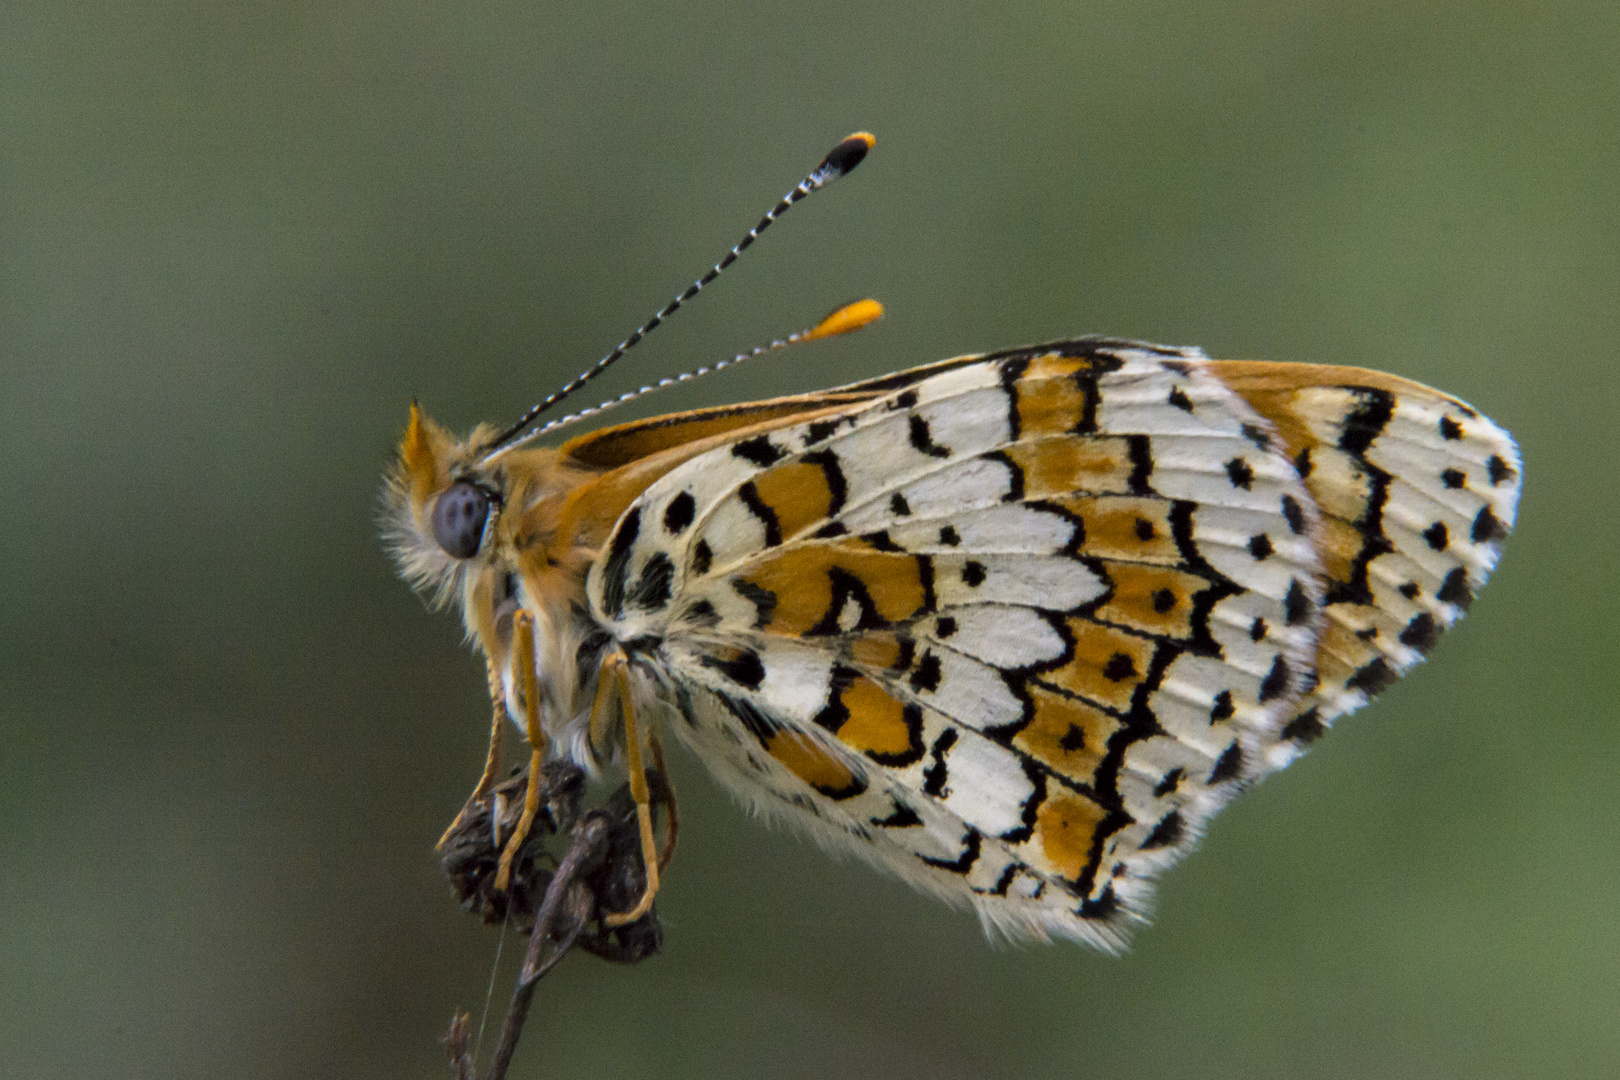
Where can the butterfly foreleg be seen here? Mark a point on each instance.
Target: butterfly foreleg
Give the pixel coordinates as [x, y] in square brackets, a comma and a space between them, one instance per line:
[615, 678]
[492, 762]
[524, 675]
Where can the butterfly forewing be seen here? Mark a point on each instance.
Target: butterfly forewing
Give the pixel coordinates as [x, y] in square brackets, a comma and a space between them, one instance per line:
[1415, 491]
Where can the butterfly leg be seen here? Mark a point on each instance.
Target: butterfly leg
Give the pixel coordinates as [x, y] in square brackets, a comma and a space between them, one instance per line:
[651, 858]
[524, 674]
[492, 762]
[672, 819]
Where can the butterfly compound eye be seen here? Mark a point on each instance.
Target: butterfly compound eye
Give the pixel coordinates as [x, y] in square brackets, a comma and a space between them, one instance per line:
[458, 519]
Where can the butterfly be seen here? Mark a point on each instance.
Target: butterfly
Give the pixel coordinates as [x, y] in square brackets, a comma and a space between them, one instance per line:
[1010, 626]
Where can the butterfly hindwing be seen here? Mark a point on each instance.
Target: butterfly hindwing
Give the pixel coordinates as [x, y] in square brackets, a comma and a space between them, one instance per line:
[1013, 630]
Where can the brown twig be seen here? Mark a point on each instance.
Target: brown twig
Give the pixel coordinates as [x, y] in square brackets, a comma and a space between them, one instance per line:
[566, 896]
[600, 871]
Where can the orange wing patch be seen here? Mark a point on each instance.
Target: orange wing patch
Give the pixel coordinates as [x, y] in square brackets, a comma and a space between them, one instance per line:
[1152, 599]
[1048, 399]
[825, 588]
[877, 724]
[810, 763]
[1068, 736]
[1107, 664]
[1059, 465]
[1125, 527]
[799, 493]
[1065, 829]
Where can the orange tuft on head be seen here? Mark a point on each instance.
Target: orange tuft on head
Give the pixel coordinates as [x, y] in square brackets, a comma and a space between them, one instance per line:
[416, 452]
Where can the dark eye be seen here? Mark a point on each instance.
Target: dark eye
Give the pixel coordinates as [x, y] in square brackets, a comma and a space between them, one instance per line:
[458, 519]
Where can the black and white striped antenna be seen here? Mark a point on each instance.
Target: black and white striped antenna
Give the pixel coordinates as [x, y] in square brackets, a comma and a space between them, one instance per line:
[843, 158]
[842, 321]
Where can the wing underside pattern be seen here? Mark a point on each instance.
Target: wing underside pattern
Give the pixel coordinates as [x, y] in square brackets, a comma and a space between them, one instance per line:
[1015, 629]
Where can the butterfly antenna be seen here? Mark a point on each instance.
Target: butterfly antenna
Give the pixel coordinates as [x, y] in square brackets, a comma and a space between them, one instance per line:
[846, 319]
[844, 157]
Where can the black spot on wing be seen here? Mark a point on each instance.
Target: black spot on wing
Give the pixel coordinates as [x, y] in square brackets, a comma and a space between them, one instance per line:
[1260, 547]
[1180, 400]
[820, 431]
[926, 675]
[1454, 478]
[1487, 526]
[1372, 678]
[1228, 766]
[743, 667]
[1275, 684]
[1141, 454]
[679, 513]
[1450, 430]
[937, 774]
[1437, 536]
[1223, 707]
[758, 451]
[651, 591]
[1421, 633]
[922, 439]
[1454, 590]
[881, 540]
[702, 614]
[1367, 420]
[617, 568]
[1120, 667]
[1167, 833]
[898, 505]
[1305, 728]
[1102, 907]
[702, 558]
[1240, 473]
[1169, 783]
[1296, 605]
[1293, 514]
[1500, 470]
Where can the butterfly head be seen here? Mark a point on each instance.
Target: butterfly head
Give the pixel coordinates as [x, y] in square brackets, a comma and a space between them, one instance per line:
[439, 516]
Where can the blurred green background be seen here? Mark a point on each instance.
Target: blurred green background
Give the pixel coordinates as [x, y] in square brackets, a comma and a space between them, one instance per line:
[235, 242]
